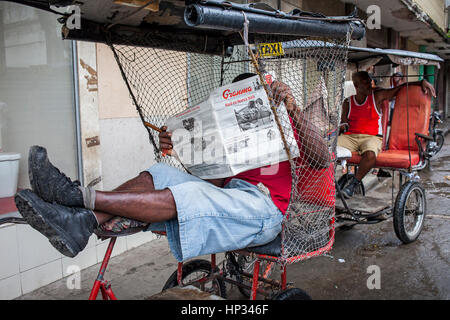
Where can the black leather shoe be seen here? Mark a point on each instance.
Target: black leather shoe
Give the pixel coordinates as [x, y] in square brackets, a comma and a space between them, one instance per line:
[383, 174]
[49, 183]
[349, 190]
[68, 229]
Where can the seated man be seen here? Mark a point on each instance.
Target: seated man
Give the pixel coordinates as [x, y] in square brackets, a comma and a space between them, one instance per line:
[199, 217]
[361, 122]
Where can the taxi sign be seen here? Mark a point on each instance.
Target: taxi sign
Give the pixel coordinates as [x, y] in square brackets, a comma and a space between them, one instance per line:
[270, 49]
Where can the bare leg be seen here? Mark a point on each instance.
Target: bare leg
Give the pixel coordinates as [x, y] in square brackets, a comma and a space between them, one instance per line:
[136, 199]
[366, 164]
[146, 206]
[143, 182]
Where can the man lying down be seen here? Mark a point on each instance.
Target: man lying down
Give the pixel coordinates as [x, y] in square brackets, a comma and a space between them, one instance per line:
[199, 216]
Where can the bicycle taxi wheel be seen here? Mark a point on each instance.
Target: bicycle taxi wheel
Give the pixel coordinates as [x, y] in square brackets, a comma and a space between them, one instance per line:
[196, 273]
[409, 212]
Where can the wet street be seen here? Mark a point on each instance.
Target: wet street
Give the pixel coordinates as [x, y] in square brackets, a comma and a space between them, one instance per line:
[420, 270]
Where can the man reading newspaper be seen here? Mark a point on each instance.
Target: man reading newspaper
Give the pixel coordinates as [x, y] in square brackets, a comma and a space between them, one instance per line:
[232, 131]
[199, 216]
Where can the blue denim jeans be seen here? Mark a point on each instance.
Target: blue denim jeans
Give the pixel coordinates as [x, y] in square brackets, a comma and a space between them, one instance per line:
[212, 219]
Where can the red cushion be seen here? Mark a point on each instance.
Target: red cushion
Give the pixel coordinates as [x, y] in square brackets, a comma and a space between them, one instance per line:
[391, 159]
[413, 102]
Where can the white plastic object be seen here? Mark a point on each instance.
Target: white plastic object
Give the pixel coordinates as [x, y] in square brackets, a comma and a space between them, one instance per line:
[9, 173]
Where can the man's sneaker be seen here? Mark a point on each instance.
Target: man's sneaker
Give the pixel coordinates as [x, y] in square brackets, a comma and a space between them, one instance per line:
[349, 190]
[383, 174]
[49, 183]
[68, 229]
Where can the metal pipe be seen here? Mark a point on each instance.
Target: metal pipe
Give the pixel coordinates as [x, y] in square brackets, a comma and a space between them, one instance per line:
[98, 282]
[77, 111]
[255, 280]
[211, 17]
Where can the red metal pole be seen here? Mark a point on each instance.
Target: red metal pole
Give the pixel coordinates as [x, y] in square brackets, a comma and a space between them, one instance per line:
[213, 262]
[94, 291]
[105, 261]
[110, 293]
[180, 274]
[283, 277]
[255, 280]
[103, 291]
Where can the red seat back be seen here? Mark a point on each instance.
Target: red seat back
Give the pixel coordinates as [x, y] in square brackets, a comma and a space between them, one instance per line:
[411, 103]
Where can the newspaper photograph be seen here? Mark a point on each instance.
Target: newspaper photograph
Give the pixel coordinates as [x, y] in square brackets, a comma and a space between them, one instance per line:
[233, 131]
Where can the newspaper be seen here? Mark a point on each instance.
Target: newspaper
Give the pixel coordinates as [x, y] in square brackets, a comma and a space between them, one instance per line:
[233, 131]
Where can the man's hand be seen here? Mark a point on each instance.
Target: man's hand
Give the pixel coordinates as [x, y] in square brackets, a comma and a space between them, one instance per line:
[281, 92]
[343, 127]
[165, 141]
[428, 88]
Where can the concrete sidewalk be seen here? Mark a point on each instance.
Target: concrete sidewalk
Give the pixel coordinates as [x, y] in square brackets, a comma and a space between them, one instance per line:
[445, 126]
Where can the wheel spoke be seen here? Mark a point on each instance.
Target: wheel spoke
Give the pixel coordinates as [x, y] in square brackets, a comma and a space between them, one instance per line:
[413, 212]
[409, 212]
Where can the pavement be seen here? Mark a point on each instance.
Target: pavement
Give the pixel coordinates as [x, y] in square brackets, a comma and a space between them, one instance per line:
[415, 271]
[445, 126]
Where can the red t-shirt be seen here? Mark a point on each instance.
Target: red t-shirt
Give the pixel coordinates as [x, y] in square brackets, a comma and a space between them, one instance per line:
[364, 118]
[315, 185]
[277, 178]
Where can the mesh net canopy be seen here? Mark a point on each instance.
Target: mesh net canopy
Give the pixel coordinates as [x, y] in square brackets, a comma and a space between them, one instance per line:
[163, 83]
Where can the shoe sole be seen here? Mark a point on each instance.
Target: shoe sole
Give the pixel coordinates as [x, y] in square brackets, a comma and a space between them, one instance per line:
[38, 222]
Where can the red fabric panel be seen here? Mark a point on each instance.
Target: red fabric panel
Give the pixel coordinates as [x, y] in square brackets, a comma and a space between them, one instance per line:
[390, 159]
[7, 205]
[419, 114]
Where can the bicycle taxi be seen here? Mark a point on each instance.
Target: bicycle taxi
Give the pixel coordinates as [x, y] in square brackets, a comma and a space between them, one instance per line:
[169, 65]
[405, 123]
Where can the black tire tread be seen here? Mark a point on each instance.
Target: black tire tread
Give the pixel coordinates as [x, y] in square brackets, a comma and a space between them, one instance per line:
[440, 142]
[292, 294]
[190, 267]
[399, 207]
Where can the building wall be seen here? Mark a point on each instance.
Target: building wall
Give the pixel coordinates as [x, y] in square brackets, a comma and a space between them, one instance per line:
[436, 10]
[285, 5]
[412, 70]
[36, 88]
[125, 146]
[124, 143]
[290, 5]
[29, 262]
[36, 107]
[446, 69]
[329, 8]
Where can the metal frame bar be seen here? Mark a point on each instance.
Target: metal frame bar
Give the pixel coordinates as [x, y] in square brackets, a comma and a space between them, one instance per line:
[76, 99]
[100, 283]
[102, 286]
